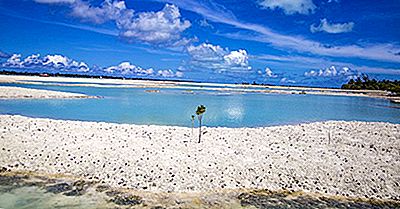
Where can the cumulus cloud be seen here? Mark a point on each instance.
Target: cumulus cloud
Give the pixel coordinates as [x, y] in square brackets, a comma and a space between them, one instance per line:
[50, 62]
[327, 27]
[60, 63]
[267, 73]
[14, 60]
[207, 52]
[237, 59]
[169, 73]
[289, 7]
[105, 12]
[215, 57]
[127, 69]
[333, 72]
[162, 28]
[219, 14]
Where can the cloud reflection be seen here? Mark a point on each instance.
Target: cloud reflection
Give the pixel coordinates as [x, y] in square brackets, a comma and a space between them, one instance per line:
[235, 109]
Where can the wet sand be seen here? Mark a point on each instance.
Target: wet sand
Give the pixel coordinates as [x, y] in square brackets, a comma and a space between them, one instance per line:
[351, 159]
[34, 190]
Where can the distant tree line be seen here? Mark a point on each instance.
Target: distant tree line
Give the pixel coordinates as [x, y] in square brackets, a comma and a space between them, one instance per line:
[364, 82]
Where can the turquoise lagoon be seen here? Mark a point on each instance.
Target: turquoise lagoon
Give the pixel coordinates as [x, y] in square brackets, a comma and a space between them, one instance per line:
[175, 106]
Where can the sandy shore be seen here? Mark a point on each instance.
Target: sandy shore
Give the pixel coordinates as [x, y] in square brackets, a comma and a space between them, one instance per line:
[356, 159]
[191, 86]
[8, 92]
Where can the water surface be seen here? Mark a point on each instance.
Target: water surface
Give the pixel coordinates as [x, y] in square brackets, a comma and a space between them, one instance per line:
[175, 106]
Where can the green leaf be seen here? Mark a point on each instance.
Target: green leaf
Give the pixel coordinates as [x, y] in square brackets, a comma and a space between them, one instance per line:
[200, 110]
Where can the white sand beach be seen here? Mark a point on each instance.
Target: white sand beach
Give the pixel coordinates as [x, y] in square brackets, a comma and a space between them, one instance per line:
[192, 86]
[355, 159]
[9, 92]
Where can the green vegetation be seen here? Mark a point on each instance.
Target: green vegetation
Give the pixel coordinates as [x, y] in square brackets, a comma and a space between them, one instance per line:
[199, 112]
[364, 82]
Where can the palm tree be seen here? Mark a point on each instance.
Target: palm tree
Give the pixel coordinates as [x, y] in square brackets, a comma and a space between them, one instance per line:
[199, 112]
[192, 124]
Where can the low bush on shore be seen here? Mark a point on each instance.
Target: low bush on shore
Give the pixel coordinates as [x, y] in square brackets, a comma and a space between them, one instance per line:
[364, 82]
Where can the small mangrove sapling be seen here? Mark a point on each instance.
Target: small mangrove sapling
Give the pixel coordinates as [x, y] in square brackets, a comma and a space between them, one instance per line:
[199, 112]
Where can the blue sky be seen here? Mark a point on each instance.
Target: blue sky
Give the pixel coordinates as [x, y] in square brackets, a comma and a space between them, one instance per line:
[286, 42]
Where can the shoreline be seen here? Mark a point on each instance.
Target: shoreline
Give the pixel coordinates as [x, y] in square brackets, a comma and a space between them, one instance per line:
[192, 86]
[361, 160]
[104, 196]
[10, 92]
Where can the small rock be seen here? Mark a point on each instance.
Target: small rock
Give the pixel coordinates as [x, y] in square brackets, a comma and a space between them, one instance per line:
[58, 188]
[127, 199]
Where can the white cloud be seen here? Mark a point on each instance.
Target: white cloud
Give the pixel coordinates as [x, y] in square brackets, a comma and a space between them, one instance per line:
[204, 23]
[169, 73]
[105, 12]
[289, 7]
[56, 61]
[52, 62]
[60, 63]
[332, 28]
[237, 58]
[301, 62]
[55, 1]
[217, 58]
[344, 73]
[267, 73]
[206, 52]
[379, 52]
[179, 74]
[217, 13]
[158, 28]
[162, 27]
[287, 80]
[14, 60]
[126, 68]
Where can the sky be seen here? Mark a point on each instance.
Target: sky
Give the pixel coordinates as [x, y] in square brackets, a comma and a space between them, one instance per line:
[280, 42]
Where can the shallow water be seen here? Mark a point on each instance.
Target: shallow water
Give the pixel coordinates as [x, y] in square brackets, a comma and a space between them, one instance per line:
[175, 106]
[34, 197]
[20, 191]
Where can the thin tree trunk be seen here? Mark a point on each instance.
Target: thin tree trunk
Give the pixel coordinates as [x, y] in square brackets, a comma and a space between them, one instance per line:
[199, 130]
[329, 135]
[192, 128]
